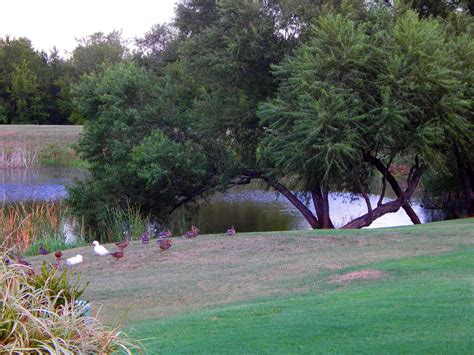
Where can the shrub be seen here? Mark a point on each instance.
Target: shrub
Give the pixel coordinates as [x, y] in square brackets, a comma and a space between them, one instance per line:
[39, 314]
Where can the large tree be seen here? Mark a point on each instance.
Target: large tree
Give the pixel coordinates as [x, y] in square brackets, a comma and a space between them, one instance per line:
[357, 97]
[362, 91]
[142, 148]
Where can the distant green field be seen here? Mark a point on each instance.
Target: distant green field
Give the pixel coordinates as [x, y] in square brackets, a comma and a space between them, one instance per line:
[33, 145]
[392, 290]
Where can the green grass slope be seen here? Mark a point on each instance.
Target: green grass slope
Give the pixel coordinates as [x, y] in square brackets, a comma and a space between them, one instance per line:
[277, 292]
[422, 305]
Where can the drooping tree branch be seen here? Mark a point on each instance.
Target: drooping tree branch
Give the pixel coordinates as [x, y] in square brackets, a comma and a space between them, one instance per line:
[377, 163]
[295, 201]
[290, 196]
[393, 206]
[384, 183]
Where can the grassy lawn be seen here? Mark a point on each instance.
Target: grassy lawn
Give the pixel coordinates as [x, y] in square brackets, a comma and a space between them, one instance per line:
[294, 292]
[417, 308]
[50, 144]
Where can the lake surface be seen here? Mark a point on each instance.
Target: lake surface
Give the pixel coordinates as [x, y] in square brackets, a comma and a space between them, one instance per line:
[45, 183]
[253, 208]
[249, 207]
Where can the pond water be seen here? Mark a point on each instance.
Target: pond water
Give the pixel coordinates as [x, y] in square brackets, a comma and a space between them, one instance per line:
[252, 208]
[45, 183]
[248, 207]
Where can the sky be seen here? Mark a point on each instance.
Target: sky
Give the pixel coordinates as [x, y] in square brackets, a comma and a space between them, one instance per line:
[49, 23]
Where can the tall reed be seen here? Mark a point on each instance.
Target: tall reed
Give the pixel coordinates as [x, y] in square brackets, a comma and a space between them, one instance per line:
[22, 224]
[23, 155]
[18, 156]
[123, 222]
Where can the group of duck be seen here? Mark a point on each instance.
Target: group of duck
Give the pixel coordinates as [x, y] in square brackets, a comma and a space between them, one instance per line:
[164, 242]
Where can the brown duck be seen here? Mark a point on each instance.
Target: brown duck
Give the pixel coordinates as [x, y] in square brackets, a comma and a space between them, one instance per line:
[193, 233]
[166, 234]
[118, 254]
[165, 244]
[123, 244]
[231, 231]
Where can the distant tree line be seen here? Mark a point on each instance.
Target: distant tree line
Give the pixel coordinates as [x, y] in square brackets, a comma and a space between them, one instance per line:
[310, 96]
[35, 86]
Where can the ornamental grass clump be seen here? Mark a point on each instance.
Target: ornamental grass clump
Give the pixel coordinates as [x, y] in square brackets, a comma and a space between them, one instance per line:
[39, 313]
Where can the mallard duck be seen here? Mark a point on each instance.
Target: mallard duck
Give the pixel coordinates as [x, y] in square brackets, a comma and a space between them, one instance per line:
[231, 231]
[123, 244]
[43, 250]
[23, 262]
[118, 254]
[27, 265]
[58, 254]
[55, 265]
[99, 249]
[145, 238]
[165, 244]
[166, 234]
[193, 233]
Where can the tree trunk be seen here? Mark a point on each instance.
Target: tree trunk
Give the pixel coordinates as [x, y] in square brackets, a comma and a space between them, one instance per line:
[394, 185]
[465, 175]
[321, 206]
[295, 201]
[389, 207]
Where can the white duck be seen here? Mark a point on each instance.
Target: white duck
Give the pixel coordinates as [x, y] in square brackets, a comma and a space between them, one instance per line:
[99, 249]
[74, 260]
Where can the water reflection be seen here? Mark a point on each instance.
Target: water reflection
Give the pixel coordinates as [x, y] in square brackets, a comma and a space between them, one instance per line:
[252, 208]
[40, 184]
[249, 207]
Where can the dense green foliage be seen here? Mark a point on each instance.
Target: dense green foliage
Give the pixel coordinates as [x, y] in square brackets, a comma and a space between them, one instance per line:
[35, 86]
[314, 96]
[355, 89]
[141, 152]
[385, 87]
[30, 84]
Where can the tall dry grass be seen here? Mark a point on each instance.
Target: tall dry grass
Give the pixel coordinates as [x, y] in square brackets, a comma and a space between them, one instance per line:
[32, 322]
[18, 156]
[22, 224]
[21, 155]
[23, 146]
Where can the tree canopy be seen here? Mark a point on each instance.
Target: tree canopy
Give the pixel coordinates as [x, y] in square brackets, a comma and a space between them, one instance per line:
[35, 87]
[311, 97]
[360, 95]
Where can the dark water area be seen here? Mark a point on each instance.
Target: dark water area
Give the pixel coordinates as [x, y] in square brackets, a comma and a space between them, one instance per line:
[250, 208]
